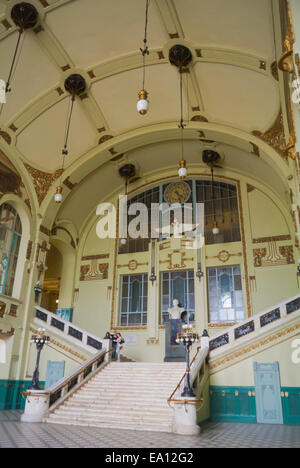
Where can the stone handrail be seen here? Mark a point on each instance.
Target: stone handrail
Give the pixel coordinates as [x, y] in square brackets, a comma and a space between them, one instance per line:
[256, 323]
[68, 330]
[40, 402]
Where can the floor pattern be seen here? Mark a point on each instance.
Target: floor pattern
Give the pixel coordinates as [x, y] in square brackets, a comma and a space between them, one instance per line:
[14, 434]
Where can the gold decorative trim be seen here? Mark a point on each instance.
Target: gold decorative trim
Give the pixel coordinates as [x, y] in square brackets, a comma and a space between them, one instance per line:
[274, 70]
[95, 257]
[64, 347]
[275, 136]
[175, 266]
[152, 341]
[94, 272]
[105, 138]
[6, 137]
[69, 184]
[42, 181]
[265, 257]
[223, 256]
[254, 347]
[133, 265]
[261, 240]
[199, 118]
[129, 328]
[221, 325]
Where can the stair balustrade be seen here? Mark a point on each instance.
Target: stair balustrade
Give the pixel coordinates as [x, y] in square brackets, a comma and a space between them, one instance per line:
[39, 402]
[68, 330]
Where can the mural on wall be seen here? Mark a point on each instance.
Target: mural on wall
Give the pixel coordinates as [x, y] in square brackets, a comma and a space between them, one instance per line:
[92, 270]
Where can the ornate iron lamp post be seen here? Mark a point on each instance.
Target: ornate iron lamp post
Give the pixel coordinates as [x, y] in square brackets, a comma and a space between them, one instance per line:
[187, 338]
[40, 340]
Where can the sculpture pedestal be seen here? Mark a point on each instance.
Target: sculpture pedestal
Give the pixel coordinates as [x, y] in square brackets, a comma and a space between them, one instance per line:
[174, 352]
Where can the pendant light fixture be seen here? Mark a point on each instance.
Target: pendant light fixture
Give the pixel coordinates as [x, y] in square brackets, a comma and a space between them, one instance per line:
[75, 85]
[126, 172]
[181, 56]
[25, 16]
[211, 158]
[143, 103]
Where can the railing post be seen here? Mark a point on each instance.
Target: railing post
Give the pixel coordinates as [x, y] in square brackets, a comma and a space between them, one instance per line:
[185, 417]
[36, 406]
[204, 340]
[107, 346]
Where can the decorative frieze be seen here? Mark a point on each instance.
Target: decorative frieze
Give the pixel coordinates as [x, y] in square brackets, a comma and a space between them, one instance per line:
[176, 260]
[133, 265]
[270, 256]
[223, 256]
[94, 271]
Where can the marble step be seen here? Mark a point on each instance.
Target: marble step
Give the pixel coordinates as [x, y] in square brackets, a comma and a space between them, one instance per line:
[133, 405]
[131, 384]
[141, 413]
[114, 419]
[155, 427]
[78, 398]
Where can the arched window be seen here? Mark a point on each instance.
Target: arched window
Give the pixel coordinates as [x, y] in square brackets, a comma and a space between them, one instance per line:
[10, 238]
[220, 205]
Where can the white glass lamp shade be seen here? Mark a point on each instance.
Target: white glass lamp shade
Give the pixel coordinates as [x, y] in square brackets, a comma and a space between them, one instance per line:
[58, 195]
[182, 171]
[2, 92]
[123, 241]
[215, 229]
[142, 104]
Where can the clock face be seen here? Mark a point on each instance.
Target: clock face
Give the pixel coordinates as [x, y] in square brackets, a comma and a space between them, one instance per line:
[177, 192]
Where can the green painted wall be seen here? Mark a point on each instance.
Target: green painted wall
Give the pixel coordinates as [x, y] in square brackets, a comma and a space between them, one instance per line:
[11, 393]
[237, 404]
[232, 404]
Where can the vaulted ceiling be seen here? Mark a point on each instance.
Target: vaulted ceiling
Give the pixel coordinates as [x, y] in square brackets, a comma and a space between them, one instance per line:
[233, 93]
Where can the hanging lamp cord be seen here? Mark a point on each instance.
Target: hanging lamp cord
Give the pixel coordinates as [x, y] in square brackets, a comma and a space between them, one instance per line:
[8, 89]
[181, 124]
[67, 133]
[145, 50]
[212, 190]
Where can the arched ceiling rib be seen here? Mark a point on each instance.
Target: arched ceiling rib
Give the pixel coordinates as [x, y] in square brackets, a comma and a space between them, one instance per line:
[231, 88]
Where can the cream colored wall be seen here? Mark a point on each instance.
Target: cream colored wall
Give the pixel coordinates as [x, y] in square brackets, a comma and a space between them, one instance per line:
[5, 357]
[263, 217]
[241, 374]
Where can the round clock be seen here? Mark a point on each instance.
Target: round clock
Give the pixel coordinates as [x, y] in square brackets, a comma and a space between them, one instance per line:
[177, 192]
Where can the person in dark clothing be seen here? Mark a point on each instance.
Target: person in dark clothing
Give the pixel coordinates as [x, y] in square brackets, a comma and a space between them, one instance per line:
[119, 343]
[114, 338]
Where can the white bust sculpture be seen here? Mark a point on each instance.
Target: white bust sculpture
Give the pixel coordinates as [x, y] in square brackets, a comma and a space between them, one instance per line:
[176, 311]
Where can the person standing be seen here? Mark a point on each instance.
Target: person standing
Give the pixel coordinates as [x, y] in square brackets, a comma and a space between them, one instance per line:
[119, 343]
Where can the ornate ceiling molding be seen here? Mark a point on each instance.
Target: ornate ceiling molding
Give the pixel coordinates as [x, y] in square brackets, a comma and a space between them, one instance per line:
[275, 137]
[42, 181]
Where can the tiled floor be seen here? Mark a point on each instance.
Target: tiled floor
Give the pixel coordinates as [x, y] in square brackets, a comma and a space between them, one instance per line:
[14, 434]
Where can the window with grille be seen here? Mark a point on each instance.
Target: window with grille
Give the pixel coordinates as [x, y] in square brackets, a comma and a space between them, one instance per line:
[10, 239]
[225, 294]
[134, 297]
[220, 204]
[177, 285]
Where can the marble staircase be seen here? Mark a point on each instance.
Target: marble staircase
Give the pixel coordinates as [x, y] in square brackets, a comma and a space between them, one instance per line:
[127, 395]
